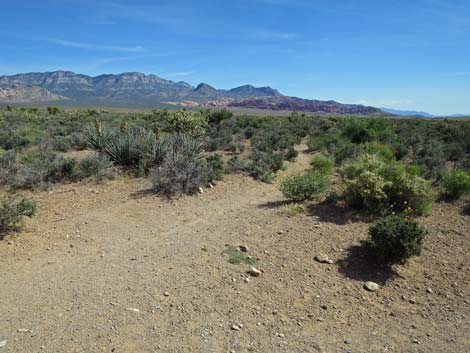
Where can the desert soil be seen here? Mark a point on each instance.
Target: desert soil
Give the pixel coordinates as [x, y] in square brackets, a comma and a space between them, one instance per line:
[114, 268]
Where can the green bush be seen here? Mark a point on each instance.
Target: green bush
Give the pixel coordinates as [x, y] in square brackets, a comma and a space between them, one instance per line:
[95, 166]
[322, 164]
[291, 154]
[377, 186]
[317, 142]
[8, 167]
[183, 170]
[300, 187]
[215, 166]
[455, 183]
[13, 210]
[264, 164]
[182, 121]
[394, 239]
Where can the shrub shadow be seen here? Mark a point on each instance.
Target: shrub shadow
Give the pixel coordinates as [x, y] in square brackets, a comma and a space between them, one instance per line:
[275, 204]
[360, 266]
[334, 213]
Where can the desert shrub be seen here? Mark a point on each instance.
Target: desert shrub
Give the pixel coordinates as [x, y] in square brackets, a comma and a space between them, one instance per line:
[63, 169]
[342, 149]
[455, 183]
[300, 187]
[376, 186]
[8, 167]
[317, 142]
[184, 122]
[384, 151]
[215, 166]
[394, 239]
[13, 210]
[183, 169]
[322, 164]
[291, 154]
[264, 164]
[34, 170]
[217, 116]
[294, 209]
[406, 189]
[235, 165]
[95, 166]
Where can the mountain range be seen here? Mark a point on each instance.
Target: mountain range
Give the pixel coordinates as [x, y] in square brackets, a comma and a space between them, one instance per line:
[134, 89]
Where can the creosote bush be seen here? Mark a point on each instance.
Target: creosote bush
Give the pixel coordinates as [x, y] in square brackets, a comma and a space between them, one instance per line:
[455, 183]
[376, 185]
[322, 164]
[13, 210]
[395, 238]
[306, 186]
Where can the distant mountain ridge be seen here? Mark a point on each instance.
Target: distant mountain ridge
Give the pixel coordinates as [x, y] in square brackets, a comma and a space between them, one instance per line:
[135, 89]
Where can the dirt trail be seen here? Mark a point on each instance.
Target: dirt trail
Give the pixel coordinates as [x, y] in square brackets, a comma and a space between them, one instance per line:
[112, 268]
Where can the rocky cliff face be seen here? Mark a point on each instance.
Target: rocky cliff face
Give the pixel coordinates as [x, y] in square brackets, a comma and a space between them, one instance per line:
[27, 94]
[134, 89]
[303, 105]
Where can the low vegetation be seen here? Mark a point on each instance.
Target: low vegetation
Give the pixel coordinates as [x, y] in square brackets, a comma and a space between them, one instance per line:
[12, 212]
[375, 165]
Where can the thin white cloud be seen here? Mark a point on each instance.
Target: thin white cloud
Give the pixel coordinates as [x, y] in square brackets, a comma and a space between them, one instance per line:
[386, 103]
[180, 74]
[89, 46]
[272, 35]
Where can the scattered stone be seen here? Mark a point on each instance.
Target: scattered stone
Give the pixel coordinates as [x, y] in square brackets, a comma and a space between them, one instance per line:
[429, 290]
[3, 343]
[243, 248]
[201, 190]
[371, 286]
[134, 310]
[247, 280]
[166, 294]
[323, 258]
[412, 301]
[254, 272]
[235, 327]
[324, 306]
[23, 330]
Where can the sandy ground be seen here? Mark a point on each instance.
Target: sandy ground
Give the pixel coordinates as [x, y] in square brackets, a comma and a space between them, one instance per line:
[114, 268]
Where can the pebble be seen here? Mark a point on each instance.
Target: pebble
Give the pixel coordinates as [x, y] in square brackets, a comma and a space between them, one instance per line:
[3, 343]
[429, 290]
[235, 327]
[371, 286]
[323, 258]
[412, 301]
[201, 190]
[166, 294]
[243, 248]
[254, 272]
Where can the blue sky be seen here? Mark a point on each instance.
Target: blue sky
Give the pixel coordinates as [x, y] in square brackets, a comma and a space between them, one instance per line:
[403, 54]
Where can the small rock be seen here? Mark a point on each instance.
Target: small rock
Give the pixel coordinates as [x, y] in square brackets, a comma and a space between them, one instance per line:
[247, 280]
[23, 330]
[371, 286]
[3, 343]
[201, 190]
[254, 272]
[429, 290]
[412, 301]
[166, 294]
[134, 310]
[323, 258]
[235, 327]
[243, 248]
